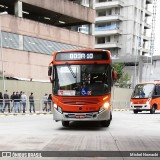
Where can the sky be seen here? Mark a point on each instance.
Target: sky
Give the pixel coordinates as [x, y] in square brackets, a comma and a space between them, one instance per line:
[157, 30]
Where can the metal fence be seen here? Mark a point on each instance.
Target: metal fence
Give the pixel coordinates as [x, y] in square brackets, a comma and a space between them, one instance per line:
[40, 106]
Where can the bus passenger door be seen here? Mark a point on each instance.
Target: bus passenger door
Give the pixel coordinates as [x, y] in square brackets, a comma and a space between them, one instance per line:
[156, 96]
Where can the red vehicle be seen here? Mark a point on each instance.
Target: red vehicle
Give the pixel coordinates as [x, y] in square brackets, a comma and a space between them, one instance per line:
[146, 97]
[81, 84]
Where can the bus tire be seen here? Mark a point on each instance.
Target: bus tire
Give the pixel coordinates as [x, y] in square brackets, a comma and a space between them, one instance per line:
[135, 111]
[152, 110]
[65, 123]
[106, 123]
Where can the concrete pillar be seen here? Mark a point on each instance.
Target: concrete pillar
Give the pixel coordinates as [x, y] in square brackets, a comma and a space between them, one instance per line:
[18, 9]
[20, 42]
[91, 29]
[92, 4]
[140, 68]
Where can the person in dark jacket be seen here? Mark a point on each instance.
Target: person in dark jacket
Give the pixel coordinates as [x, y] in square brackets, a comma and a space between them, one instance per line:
[6, 101]
[31, 102]
[16, 102]
[49, 102]
[12, 99]
[1, 102]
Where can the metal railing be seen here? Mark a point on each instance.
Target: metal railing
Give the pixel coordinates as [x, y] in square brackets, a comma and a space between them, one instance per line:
[39, 106]
[9, 105]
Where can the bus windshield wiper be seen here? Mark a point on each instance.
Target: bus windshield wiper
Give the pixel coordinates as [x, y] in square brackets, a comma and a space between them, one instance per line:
[69, 67]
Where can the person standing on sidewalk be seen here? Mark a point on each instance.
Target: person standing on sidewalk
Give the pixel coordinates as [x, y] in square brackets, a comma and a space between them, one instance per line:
[16, 102]
[24, 100]
[12, 99]
[1, 102]
[49, 102]
[6, 101]
[31, 102]
[45, 101]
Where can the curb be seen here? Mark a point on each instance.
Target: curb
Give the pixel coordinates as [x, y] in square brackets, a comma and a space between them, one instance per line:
[24, 114]
[121, 110]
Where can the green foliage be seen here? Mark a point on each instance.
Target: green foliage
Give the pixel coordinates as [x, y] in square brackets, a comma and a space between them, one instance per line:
[119, 69]
[122, 78]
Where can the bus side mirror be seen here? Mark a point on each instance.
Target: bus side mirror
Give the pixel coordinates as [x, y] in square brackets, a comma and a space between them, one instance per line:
[50, 73]
[114, 75]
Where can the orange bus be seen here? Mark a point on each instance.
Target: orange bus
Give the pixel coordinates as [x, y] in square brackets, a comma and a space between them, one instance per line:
[81, 84]
[146, 97]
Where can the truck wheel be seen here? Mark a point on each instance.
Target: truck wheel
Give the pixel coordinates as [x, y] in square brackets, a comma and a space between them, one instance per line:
[135, 111]
[65, 123]
[152, 111]
[106, 123]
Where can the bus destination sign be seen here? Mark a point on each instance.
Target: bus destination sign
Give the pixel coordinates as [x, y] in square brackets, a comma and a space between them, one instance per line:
[71, 56]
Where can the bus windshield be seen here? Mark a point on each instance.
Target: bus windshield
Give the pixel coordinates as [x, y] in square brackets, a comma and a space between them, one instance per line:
[143, 91]
[82, 80]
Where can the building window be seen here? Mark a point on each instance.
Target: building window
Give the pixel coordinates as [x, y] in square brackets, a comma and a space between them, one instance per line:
[109, 12]
[108, 39]
[101, 40]
[101, 13]
[102, 1]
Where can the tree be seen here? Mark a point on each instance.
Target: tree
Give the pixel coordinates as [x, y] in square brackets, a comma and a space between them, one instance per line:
[122, 78]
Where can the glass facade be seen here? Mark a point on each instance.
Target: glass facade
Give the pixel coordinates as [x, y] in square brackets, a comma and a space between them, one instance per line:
[32, 44]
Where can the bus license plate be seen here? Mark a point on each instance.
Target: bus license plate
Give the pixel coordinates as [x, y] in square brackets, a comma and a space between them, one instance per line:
[80, 116]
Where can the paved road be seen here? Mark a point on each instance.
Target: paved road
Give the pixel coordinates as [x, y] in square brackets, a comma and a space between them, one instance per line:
[127, 132]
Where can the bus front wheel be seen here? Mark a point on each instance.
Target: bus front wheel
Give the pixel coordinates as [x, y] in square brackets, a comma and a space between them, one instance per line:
[106, 123]
[135, 111]
[65, 123]
[152, 110]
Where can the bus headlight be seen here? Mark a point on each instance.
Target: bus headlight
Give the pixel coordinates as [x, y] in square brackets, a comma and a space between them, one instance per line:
[148, 101]
[55, 105]
[59, 109]
[105, 106]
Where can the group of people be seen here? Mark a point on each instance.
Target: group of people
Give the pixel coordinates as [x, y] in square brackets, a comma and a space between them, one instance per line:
[18, 100]
[47, 100]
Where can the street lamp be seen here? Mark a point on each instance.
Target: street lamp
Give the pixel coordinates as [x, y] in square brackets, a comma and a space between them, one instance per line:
[2, 13]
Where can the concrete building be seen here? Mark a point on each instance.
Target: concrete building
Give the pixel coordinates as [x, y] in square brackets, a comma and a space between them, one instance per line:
[122, 25]
[32, 30]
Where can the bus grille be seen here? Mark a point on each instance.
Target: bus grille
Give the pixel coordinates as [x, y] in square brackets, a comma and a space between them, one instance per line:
[137, 106]
[79, 101]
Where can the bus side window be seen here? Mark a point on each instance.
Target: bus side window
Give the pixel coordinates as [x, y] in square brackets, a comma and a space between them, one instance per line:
[157, 90]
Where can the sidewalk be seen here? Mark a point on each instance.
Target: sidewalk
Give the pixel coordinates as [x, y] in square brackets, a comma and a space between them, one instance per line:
[27, 113]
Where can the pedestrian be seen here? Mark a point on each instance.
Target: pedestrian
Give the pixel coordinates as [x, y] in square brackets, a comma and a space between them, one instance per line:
[45, 101]
[20, 103]
[6, 101]
[12, 100]
[49, 102]
[1, 102]
[16, 103]
[24, 100]
[31, 102]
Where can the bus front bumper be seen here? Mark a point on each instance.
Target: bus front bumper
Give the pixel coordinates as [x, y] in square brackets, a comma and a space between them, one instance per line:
[91, 116]
[141, 107]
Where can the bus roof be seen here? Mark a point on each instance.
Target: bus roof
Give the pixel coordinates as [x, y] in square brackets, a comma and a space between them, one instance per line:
[152, 82]
[80, 50]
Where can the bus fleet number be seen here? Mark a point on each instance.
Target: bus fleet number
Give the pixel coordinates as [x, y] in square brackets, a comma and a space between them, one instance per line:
[81, 56]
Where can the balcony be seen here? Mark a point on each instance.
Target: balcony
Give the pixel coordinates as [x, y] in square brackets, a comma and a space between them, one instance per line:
[149, 1]
[109, 18]
[144, 51]
[107, 30]
[108, 45]
[147, 13]
[147, 26]
[146, 38]
[110, 4]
